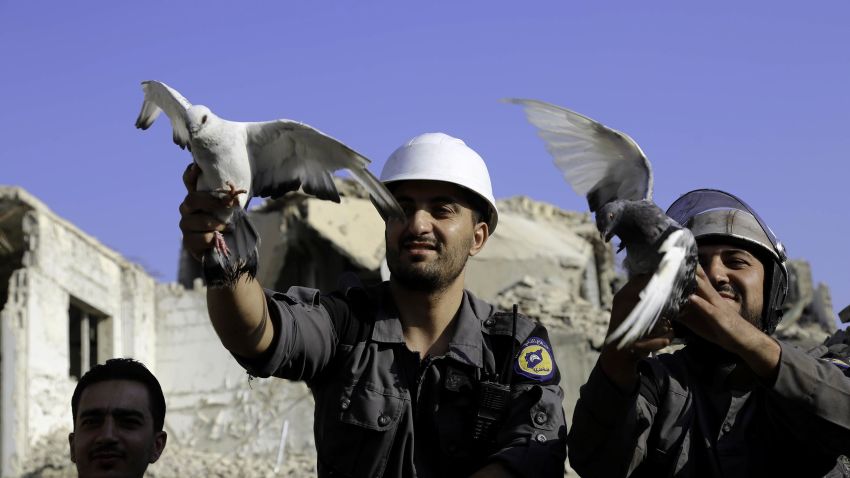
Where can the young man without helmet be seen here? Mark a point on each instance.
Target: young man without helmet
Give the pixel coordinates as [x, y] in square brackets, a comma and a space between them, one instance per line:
[734, 402]
[119, 411]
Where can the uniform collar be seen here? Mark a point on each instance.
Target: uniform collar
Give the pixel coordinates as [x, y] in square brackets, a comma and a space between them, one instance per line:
[387, 325]
[465, 345]
[718, 369]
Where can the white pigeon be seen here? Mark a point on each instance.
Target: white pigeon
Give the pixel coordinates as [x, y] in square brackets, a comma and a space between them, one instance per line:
[610, 169]
[241, 160]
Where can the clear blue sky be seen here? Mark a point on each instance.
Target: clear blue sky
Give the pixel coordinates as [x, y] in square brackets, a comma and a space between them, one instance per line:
[751, 97]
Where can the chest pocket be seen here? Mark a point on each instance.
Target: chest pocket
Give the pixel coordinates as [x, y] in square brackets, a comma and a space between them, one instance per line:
[355, 435]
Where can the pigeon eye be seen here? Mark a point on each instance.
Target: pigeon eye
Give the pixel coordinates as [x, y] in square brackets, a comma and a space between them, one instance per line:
[204, 119]
[610, 215]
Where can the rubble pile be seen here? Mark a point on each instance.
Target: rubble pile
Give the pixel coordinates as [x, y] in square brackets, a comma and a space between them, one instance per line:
[550, 302]
[539, 210]
[809, 316]
[607, 279]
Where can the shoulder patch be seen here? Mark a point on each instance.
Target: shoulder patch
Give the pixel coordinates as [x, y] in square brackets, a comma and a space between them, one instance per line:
[838, 363]
[535, 360]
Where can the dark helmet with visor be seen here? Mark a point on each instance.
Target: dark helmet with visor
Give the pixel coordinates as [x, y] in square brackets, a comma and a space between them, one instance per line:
[710, 213]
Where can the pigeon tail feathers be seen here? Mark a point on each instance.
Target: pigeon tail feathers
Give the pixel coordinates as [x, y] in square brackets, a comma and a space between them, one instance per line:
[662, 295]
[223, 271]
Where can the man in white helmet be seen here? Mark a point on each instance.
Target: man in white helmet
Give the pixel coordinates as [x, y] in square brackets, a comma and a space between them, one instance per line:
[416, 376]
[734, 402]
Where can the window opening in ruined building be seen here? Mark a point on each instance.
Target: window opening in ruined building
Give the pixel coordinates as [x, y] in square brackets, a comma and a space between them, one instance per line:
[12, 243]
[89, 338]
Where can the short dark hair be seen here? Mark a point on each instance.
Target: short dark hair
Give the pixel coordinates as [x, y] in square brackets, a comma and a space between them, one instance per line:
[124, 369]
[478, 205]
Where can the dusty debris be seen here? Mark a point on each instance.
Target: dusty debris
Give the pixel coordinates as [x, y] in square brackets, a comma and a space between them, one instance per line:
[808, 317]
[550, 302]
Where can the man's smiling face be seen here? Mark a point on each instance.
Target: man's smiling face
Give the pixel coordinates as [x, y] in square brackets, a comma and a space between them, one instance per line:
[737, 275]
[114, 434]
[429, 250]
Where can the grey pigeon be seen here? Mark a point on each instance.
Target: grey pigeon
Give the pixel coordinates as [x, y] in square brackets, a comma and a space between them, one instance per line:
[241, 160]
[610, 169]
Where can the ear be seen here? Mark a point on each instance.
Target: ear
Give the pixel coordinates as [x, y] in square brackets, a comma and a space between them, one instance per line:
[71, 445]
[158, 445]
[480, 234]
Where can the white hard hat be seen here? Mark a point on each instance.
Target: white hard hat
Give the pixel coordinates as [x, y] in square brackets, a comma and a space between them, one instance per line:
[440, 157]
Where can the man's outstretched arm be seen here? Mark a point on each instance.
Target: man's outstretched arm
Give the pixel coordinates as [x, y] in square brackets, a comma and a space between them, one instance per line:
[239, 315]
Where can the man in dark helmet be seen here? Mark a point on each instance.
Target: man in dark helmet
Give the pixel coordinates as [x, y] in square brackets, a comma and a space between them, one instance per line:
[734, 401]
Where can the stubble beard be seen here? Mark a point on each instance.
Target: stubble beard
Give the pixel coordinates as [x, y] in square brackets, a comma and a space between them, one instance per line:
[753, 317]
[746, 310]
[422, 276]
[713, 353]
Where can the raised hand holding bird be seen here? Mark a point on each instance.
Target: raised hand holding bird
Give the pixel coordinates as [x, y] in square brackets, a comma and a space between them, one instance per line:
[610, 169]
[239, 161]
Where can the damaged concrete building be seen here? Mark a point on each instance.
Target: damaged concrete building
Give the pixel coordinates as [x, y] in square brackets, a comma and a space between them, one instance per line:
[68, 301]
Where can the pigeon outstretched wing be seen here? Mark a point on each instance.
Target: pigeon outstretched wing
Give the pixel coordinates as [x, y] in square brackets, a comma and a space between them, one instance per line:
[598, 162]
[239, 160]
[160, 97]
[286, 153]
[610, 169]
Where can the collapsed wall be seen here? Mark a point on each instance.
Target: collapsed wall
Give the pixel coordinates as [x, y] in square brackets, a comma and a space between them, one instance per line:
[213, 405]
[70, 302]
[808, 316]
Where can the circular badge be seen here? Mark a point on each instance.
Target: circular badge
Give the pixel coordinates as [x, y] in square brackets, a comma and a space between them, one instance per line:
[535, 360]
